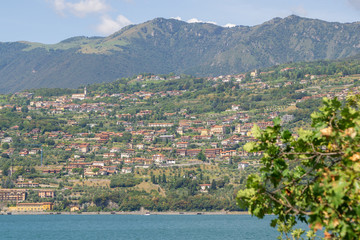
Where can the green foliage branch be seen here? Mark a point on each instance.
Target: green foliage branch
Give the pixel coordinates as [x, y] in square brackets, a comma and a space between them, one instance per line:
[312, 177]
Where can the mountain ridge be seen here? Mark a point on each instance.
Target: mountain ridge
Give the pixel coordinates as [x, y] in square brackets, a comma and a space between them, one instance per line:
[164, 45]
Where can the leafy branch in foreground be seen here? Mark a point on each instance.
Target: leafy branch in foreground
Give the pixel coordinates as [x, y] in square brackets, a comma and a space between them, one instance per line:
[312, 177]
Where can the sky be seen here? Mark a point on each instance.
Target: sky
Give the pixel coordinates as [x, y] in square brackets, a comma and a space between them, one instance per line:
[51, 21]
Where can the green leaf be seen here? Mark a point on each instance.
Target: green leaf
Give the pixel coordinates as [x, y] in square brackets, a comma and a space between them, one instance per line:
[273, 223]
[277, 121]
[256, 131]
[357, 167]
[316, 115]
[244, 197]
[304, 134]
[249, 146]
[316, 172]
[286, 135]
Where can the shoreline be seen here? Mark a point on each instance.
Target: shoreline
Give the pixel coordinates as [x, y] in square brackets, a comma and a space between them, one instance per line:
[128, 213]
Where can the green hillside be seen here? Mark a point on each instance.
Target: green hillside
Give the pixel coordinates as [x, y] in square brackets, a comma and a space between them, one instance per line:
[163, 46]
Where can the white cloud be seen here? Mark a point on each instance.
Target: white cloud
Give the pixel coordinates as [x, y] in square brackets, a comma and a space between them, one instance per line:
[109, 26]
[195, 20]
[59, 5]
[299, 10]
[80, 8]
[177, 18]
[230, 25]
[212, 22]
[355, 4]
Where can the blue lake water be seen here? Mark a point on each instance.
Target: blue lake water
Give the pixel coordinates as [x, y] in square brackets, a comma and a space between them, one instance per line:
[203, 227]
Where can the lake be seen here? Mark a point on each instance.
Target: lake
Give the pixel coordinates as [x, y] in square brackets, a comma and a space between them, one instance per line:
[199, 227]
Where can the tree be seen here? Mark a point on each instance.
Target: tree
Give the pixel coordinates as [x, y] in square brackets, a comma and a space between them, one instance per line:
[201, 156]
[80, 171]
[5, 146]
[153, 179]
[24, 109]
[126, 137]
[32, 170]
[5, 169]
[213, 185]
[124, 181]
[164, 178]
[19, 171]
[50, 142]
[7, 183]
[313, 178]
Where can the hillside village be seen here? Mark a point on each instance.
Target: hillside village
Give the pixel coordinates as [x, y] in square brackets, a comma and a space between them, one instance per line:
[65, 151]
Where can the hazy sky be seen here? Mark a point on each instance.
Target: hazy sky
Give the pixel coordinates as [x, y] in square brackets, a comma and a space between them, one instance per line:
[51, 21]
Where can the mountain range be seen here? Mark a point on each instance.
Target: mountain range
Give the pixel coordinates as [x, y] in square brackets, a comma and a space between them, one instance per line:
[162, 46]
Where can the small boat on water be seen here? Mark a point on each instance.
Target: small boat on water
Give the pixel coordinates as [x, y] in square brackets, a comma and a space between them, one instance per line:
[147, 213]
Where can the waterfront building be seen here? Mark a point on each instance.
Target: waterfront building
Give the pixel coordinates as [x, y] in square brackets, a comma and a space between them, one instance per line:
[16, 195]
[32, 207]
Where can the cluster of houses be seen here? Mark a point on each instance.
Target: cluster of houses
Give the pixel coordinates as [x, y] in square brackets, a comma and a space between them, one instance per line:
[185, 135]
[181, 139]
[19, 194]
[62, 104]
[176, 141]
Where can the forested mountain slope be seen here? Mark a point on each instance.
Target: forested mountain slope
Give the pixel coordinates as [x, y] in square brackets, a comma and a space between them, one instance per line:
[162, 46]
